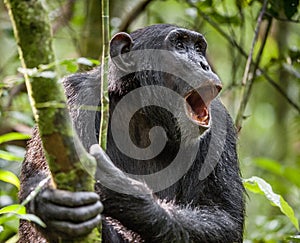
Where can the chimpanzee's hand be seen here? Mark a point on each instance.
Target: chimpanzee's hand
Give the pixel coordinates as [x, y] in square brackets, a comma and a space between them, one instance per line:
[68, 214]
[113, 180]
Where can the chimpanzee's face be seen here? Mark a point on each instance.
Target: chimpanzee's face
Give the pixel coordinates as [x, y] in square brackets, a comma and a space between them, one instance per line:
[196, 82]
[174, 59]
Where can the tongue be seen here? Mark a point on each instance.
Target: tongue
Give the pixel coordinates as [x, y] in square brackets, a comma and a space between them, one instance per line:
[197, 105]
[201, 112]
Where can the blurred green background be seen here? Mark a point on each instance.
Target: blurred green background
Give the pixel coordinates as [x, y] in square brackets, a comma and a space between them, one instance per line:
[269, 136]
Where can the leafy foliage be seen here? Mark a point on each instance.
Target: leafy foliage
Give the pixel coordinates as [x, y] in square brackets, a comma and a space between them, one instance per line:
[9, 177]
[258, 185]
[270, 134]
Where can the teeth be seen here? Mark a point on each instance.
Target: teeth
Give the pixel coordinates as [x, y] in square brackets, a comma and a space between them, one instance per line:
[201, 115]
[200, 119]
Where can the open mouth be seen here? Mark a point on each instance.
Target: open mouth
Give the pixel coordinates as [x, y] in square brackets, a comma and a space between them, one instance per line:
[198, 104]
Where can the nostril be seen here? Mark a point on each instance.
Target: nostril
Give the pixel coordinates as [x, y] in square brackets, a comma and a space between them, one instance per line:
[204, 66]
[219, 87]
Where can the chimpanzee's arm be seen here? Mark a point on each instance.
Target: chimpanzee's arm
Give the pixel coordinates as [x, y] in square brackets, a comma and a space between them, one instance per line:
[159, 221]
[156, 221]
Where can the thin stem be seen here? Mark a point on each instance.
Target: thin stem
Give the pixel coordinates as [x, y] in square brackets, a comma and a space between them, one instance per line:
[248, 83]
[104, 74]
[244, 54]
[133, 14]
[256, 32]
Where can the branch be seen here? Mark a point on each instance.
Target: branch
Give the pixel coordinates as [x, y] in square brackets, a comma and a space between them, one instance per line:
[248, 83]
[104, 74]
[71, 166]
[283, 19]
[64, 16]
[256, 32]
[244, 54]
[133, 14]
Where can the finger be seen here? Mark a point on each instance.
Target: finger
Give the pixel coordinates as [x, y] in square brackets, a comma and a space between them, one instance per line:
[100, 155]
[71, 199]
[73, 230]
[76, 214]
[104, 163]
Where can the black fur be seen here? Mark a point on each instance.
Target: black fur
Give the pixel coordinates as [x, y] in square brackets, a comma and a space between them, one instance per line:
[191, 210]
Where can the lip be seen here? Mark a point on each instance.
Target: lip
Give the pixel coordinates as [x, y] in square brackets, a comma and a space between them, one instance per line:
[197, 105]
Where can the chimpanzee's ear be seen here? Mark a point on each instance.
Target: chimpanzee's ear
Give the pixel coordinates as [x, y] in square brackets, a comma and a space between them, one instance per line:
[121, 43]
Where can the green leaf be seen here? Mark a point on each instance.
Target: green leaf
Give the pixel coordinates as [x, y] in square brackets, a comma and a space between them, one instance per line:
[19, 211]
[14, 208]
[10, 177]
[70, 65]
[292, 174]
[7, 217]
[289, 173]
[260, 186]
[270, 165]
[13, 239]
[10, 157]
[95, 62]
[13, 136]
[32, 218]
[222, 19]
[205, 4]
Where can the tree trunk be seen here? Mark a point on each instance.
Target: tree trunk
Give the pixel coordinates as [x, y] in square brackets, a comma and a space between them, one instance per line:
[66, 156]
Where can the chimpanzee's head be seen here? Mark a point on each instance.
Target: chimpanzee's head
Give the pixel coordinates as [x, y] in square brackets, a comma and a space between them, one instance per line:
[169, 57]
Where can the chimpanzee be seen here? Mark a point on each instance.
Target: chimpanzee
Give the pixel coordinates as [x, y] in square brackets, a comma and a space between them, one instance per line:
[170, 172]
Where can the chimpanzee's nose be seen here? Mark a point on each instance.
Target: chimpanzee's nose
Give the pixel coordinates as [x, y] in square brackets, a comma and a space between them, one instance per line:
[219, 87]
[215, 82]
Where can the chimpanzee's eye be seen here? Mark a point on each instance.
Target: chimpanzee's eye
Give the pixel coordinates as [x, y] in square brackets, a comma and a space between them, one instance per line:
[179, 45]
[199, 48]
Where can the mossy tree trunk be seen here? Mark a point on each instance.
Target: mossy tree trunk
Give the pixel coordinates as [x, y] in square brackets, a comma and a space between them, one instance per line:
[66, 157]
